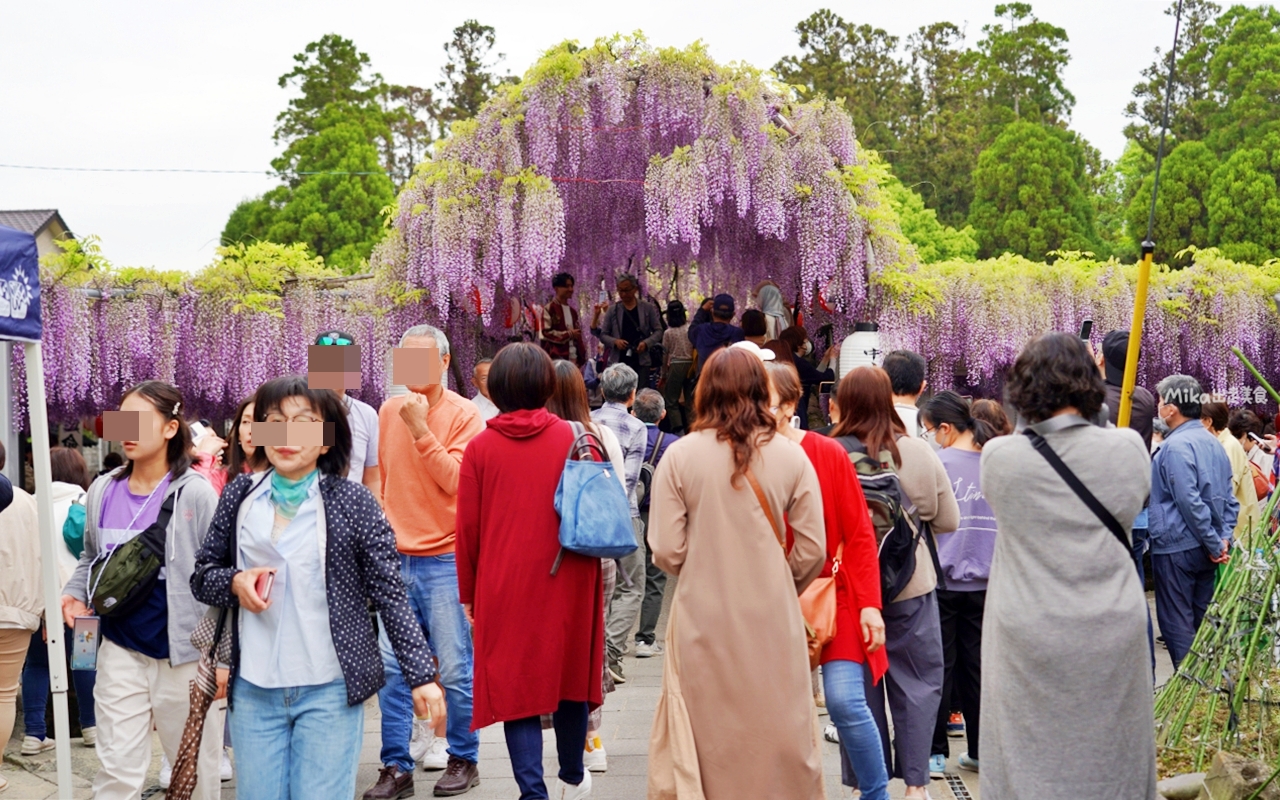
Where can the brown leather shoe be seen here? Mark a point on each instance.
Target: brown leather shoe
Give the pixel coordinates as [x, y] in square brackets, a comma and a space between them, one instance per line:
[460, 777]
[392, 784]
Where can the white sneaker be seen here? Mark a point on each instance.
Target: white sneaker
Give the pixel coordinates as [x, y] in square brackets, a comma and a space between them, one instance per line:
[566, 791]
[31, 746]
[648, 650]
[831, 734]
[225, 771]
[166, 772]
[437, 755]
[90, 735]
[594, 758]
[421, 738]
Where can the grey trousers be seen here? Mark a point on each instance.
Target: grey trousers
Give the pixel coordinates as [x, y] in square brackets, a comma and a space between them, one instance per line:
[913, 641]
[627, 598]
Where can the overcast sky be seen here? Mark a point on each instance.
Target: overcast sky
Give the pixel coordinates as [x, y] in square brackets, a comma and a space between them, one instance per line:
[193, 85]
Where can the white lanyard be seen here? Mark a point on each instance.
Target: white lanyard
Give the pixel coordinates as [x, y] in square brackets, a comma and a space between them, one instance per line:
[115, 546]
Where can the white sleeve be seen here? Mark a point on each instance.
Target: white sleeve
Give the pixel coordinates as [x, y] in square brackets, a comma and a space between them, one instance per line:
[371, 448]
[614, 449]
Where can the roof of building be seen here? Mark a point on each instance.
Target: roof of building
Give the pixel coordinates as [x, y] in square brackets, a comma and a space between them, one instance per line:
[32, 221]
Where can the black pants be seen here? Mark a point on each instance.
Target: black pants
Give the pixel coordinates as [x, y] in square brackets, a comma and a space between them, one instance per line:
[1184, 589]
[655, 583]
[960, 614]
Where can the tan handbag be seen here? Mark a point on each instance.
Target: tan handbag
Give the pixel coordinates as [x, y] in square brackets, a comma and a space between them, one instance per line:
[818, 601]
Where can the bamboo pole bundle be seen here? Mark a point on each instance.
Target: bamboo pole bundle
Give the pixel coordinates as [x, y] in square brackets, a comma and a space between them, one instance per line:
[1226, 693]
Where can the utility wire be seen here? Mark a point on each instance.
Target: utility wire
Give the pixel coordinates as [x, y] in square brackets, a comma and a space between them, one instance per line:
[269, 173]
[1164, 126]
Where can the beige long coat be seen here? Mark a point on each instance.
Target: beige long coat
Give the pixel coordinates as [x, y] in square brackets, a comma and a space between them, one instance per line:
[737, 718]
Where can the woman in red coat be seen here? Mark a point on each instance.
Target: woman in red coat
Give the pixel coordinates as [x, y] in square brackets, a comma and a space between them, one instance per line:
[539, 638]
[858, 648]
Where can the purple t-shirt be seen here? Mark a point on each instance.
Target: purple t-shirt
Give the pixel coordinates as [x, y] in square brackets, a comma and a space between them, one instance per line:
[120, 507]
[966, 553]
[146, 628]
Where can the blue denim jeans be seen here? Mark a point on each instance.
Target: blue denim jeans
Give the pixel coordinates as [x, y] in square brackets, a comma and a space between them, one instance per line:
[297, 743]
[843, 682]
[35, 686]
[432, 585]
[524, 745]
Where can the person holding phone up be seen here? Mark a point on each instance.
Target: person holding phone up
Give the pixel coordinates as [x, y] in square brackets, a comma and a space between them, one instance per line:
[296, 551]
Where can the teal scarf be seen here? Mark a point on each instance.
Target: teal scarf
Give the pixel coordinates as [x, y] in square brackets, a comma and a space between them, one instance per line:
[288, 495]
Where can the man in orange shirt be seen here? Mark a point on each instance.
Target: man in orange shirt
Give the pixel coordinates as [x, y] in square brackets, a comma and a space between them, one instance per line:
[422, 436]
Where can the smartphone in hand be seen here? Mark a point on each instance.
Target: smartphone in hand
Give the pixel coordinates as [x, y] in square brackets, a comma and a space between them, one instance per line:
[84, 643]
[265, 581]
[1086, 329]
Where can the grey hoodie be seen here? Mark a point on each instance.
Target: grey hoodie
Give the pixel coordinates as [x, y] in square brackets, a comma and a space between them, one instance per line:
[192, 515]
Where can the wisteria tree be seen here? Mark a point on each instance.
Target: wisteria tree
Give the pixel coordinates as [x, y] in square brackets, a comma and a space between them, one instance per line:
[622, 156]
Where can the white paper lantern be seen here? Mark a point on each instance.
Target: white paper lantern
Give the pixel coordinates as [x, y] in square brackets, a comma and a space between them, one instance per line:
[860, 348]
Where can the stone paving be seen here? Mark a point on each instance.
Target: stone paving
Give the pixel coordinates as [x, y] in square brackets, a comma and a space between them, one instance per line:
[628, 716]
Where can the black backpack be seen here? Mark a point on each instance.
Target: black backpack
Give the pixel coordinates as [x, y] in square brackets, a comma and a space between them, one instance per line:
[124, 578]
[894, 517]
[646, 474]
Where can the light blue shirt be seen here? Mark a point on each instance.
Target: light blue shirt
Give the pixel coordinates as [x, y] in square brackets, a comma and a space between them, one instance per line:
[289, 644]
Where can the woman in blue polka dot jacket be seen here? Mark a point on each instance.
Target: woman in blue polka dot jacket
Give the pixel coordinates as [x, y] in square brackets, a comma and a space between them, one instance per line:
[293, 553]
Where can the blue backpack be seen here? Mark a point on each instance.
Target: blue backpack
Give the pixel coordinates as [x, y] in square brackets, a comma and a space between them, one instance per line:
[595, 516]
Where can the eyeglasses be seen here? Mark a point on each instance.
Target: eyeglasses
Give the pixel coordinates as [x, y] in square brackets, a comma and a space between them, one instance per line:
[333, 339]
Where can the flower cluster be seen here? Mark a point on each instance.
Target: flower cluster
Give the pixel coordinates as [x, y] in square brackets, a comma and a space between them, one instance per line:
[625, 157]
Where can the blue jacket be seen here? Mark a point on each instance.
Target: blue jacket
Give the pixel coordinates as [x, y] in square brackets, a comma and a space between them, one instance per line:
[1191, 501]
[360, 561]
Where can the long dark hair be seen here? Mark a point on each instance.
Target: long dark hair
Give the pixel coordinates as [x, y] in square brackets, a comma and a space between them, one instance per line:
[865, 398]
[166, 399]
[569, 399]
[237, 461]
[952, 409]
[732, 399]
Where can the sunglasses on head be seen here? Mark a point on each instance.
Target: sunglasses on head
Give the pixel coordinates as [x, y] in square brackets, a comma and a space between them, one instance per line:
[333, 339]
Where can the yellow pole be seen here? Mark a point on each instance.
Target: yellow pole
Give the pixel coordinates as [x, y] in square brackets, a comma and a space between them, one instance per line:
[1135, 336]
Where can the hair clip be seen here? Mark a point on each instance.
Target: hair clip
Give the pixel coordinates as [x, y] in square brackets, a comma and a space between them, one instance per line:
[176, 406]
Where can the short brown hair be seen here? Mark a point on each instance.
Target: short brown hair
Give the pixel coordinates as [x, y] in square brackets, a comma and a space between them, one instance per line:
[68, 466]
[1053, 372]
[1217, 413]
[521, 377]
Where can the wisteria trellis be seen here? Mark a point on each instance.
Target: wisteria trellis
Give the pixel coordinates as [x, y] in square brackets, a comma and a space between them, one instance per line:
[698, 177]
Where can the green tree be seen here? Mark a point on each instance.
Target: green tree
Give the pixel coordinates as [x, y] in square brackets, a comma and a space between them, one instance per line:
[336, 190]
[1243, 203]
[330, 70]
[1182, 214]
[933, 240]
[333, 175]
[1244, 71]
[469, 77]
[943, 129]
[856, 63]
[1022, 65]
[1027, 194]
[411, 114]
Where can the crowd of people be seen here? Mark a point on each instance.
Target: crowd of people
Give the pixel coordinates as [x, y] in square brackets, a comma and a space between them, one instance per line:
[325, 552]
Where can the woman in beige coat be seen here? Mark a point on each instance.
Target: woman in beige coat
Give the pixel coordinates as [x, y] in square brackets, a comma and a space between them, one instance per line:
[736, 718]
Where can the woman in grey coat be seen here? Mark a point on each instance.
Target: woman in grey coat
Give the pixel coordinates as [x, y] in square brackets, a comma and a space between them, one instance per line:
[1066, 677]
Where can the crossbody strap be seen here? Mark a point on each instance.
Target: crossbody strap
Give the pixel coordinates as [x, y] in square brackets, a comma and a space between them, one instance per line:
[768, 509]
[1108, 519]
[657, 448]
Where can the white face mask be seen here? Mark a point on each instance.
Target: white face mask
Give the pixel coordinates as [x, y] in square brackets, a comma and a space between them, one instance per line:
[806, 348]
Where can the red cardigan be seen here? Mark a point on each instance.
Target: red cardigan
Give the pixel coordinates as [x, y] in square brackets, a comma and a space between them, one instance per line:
[539, 638]
[848, 521]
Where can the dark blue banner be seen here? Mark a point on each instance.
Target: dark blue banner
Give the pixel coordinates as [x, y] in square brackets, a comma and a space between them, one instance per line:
[19, 286]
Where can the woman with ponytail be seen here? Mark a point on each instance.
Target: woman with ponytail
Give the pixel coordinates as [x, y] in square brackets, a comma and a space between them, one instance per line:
[146, 660]
[965, 555]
